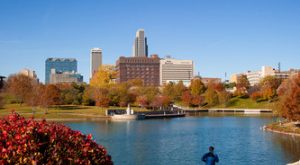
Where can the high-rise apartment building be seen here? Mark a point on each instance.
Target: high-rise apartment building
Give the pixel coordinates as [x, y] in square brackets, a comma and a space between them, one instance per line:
[96, 60]
[60, 65]
[174, 70]
[140, 46]
[143, 68]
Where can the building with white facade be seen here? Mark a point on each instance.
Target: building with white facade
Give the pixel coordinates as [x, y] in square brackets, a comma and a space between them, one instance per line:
[65, 77]
[29, 73]
[254, 77]
[96, 60]
[140, 46]
[174, 70]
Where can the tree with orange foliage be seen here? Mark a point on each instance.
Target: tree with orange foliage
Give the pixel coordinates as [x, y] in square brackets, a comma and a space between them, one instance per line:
[50, 95]
[255, 96]
[289, 106]
[242, 86]
[20, 86]
[160, 101]
[142, 101]
[269, 85]
[186, 98]
[197, 100]
[100, 96]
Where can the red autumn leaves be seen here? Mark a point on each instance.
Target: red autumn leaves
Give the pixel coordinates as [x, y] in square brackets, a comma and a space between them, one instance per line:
[28, 142]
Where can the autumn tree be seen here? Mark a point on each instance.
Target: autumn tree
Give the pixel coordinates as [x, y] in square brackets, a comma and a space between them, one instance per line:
[72, 93]
[102, 77]
[20, 86]
[179, 88]
[197, 100]
[268, 86]
[142, 101]
[197, 87]
[211, 97]
[289, 106]
[100, 95]
[150, 92]
[242, 86]
[135, 82]
[87, 96]
[242, 82]
[169, 90]
[160, 101]
[186, 98]
[50, 95]
[223, 97]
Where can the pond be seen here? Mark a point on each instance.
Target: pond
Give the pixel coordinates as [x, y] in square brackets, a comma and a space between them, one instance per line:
[180, 141]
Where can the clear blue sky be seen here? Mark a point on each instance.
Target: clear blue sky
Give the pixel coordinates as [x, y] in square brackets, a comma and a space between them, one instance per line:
[219, 35]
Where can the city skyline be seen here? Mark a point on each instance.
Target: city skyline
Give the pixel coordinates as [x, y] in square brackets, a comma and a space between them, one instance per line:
[219, 37]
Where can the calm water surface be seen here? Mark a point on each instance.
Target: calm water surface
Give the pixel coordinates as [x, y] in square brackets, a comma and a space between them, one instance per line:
[182, 141]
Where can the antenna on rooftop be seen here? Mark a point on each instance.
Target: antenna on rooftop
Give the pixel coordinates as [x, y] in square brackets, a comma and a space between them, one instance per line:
[279, 67]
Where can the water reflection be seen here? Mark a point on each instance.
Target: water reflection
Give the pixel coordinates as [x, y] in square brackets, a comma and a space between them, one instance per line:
[238, 140]
[289, 144]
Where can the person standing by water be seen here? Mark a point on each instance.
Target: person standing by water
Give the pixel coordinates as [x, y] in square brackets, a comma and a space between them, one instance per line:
[210, 158]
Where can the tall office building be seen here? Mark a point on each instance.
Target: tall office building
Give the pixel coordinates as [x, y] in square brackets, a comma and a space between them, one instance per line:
[60, 65]
[96, 60]
[140, 46]
[174, 70]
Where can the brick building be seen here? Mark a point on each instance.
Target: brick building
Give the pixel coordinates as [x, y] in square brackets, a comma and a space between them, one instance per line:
[143, 68]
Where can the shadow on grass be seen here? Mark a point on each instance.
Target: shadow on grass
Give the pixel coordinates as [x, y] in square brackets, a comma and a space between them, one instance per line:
[232, 102]
[68, 107]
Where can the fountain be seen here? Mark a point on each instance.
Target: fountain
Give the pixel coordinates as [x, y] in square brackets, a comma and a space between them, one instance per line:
[129, 115]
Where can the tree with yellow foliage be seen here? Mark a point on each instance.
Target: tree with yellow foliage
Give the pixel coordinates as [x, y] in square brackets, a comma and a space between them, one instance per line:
[103, 77]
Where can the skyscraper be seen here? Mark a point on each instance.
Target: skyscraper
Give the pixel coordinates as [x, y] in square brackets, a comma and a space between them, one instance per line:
[60, 65]
[96, 60]
[140, 46]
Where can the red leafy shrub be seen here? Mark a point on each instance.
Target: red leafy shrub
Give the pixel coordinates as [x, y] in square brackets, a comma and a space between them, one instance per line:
[25, 141]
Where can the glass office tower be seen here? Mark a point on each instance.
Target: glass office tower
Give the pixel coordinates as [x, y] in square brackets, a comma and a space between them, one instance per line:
[60, 65]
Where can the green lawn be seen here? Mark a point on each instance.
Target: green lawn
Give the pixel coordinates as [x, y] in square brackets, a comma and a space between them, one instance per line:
[247, 103]
[60, 112]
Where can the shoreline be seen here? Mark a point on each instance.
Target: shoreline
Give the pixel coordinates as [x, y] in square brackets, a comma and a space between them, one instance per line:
[274, 129]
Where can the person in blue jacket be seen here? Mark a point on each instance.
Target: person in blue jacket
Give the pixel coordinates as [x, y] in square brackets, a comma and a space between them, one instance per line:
[210, 158]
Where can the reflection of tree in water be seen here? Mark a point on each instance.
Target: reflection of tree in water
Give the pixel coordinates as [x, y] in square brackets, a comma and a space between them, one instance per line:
[290, 146]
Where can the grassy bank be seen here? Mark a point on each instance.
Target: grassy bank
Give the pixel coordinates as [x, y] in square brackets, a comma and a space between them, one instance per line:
[246, 103]
[285, 128]
[60, 112]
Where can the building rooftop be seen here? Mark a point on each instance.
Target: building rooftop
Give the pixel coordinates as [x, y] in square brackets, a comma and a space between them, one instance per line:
[61, 59]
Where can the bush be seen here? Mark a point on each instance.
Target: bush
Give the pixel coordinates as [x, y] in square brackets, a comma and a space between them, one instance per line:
[256, 96]
[39, 142]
